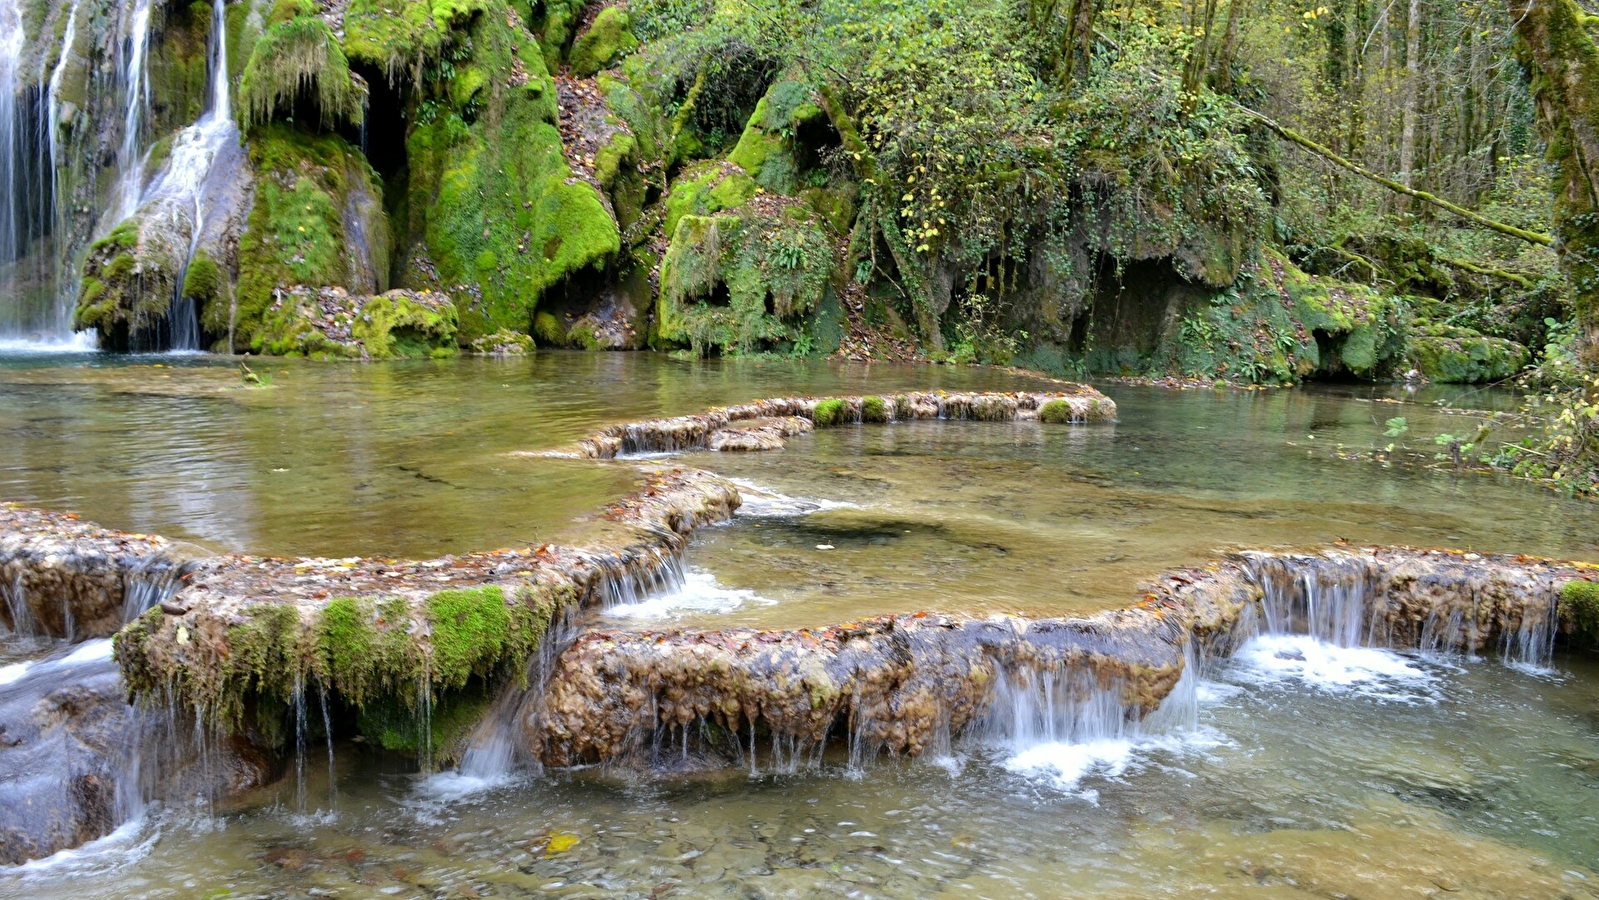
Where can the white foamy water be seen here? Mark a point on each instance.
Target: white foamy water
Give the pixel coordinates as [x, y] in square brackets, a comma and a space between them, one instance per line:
[1066, 765]
[14, 672]
[1361, 671]
[762, 502]
[131, 842]
[79, 342]
[699, 592]
[87, 652]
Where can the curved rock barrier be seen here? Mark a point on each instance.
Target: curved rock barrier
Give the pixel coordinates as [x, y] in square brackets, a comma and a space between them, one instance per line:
[766, 424]
[246, 636]
[903, 684]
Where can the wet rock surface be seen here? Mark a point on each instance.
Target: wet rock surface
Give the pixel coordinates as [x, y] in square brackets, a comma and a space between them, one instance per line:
[76, 759]
[65, 578]
[905, 684]
[1075, 404]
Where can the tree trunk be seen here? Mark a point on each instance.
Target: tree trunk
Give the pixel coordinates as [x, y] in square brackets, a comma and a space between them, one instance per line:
[1564, 63]
[1407, 128]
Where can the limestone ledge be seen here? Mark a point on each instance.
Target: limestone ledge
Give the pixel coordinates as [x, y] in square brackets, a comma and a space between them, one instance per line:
[900, 684]
[730, 428]
[247, 630]
[63, 577]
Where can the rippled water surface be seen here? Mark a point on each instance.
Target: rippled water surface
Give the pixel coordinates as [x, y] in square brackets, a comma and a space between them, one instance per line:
[1302, 770]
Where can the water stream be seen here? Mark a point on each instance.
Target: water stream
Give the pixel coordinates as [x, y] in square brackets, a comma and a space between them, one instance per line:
[1309, 764]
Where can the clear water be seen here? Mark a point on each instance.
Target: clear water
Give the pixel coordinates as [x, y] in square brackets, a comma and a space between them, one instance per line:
[1312, 771]
[1463, 781]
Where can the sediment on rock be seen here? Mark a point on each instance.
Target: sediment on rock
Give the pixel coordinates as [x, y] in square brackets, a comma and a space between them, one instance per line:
[716, 429]
[64, 578]
[905, 684]
[246, 635]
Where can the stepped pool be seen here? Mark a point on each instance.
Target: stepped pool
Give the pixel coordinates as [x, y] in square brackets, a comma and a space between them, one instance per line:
[1294, 768]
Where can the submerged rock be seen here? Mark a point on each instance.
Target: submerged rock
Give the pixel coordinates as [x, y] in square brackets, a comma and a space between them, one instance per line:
[760, 434]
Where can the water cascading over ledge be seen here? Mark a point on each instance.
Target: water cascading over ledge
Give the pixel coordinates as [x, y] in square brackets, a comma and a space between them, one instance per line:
[483, 659]
[907, 684]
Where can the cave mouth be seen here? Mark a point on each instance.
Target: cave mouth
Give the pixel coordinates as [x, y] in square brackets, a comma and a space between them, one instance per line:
[382, 133]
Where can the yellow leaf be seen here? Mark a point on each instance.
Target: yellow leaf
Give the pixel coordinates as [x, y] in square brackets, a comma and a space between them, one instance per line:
[560, 842]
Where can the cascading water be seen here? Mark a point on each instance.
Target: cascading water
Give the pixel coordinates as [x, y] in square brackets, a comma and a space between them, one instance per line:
[136, 102]
[27, 306]
[1337, 601]
[177, 199]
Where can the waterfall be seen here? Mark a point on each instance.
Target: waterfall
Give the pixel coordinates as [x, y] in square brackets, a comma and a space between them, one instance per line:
[1347, 601]
[136, 98]
[179, 194]
[26, 209]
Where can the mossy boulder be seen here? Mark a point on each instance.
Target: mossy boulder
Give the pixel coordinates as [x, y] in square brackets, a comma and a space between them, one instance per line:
[331, 323]
[1056, 412]
[299, 58]
[503, 343]
[1579, 612]
[829, 413]
[609, 38]
[129, 279]
[308, 189]
[406, 323]
[706, 189]
[492, 201]
[743, 283]
[768, 150]
[1462, 356]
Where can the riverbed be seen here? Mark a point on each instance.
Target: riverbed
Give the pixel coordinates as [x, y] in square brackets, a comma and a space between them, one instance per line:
[1294, 769]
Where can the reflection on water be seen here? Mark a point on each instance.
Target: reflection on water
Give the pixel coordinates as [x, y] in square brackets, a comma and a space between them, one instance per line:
[393, 459]
[1312, 771]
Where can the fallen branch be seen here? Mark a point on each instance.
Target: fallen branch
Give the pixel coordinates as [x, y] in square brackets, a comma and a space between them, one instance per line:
[1288, 134]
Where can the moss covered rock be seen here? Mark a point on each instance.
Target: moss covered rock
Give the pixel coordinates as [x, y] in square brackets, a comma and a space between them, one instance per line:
[1462, 356]
[503, 343]
[492, 202]
[308, 189]
[1579, 611]
[609, 38]
[298, 57]
[129, 280]
[743, 283]
[331, 323]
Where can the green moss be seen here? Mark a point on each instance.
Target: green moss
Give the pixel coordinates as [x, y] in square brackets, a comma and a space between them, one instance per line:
[776, 271]
[492, 202]
[177, 68]
[549, 329]
[299, 57]
[706, 189]
[829, 413]
[126, 284]
[1463, 357]
[437, 735]
[608, 38]
[874, 409]
[619, 150]
[295, 233]
[1579, 611]
[203, 279]
[1056, 412]
[504, 343]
